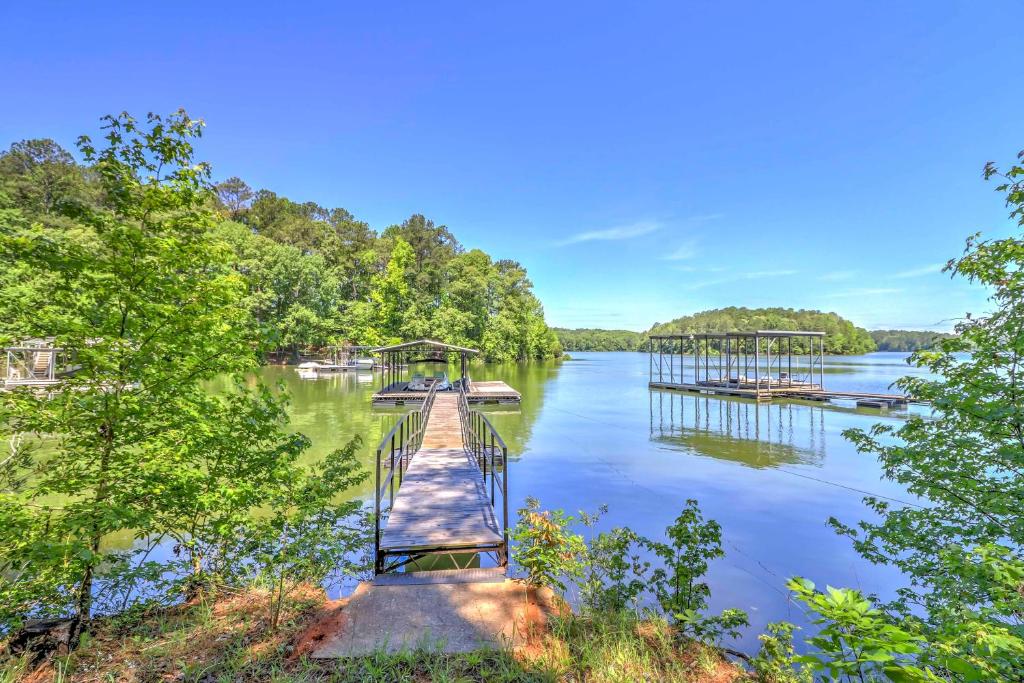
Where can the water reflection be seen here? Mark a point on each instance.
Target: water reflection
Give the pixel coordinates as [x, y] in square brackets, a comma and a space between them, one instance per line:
[742, 431]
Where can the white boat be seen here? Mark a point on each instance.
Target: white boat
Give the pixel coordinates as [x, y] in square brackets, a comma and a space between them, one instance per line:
[308, 370]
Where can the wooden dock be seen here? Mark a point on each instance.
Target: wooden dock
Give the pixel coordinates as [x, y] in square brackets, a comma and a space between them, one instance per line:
[761, 365]
[398, 393]
[437, 484]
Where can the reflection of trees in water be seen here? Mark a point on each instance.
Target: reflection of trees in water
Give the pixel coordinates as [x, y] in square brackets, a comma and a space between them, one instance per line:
[757, 435]
[515, 423]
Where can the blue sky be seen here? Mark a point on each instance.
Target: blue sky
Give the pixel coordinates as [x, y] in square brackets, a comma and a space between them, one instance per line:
[642, 160]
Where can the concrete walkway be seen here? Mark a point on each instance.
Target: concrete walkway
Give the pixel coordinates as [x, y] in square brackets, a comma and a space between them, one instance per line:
[451, 617]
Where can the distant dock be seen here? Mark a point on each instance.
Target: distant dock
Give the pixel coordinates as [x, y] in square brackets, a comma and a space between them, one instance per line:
[762, 366]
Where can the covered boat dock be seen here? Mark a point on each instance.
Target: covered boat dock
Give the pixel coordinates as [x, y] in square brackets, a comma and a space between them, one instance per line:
[401, 384]
[762, 365]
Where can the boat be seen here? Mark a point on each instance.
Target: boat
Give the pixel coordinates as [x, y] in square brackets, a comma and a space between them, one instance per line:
[309, 370]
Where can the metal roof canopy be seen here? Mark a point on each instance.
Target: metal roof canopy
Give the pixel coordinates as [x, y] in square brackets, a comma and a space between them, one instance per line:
[429, 343]
[724, 335]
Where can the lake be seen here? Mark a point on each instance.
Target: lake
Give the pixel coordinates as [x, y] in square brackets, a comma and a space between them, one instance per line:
[590, 432]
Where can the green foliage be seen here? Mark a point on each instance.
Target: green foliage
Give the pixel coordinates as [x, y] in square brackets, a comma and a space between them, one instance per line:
[856, 642]
[612, 573]
[586, 339]
[318, 276]
[776, 661]
[139, 288]
[149, 307]
[315, 276]
[305, 536]
[611, 576]
[842, 336]
[691, 543]
[906, 340]
[545, 548]
[966, 460]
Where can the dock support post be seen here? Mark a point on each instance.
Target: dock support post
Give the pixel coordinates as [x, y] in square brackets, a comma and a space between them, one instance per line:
[821, 357]
[757, 365]
[790, 354]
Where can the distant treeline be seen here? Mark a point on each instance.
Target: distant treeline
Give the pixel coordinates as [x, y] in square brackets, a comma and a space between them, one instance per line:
[842, 336]
[906, 340]
[589, 339]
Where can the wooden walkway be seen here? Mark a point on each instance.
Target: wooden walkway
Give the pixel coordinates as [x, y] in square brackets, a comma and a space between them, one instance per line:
[442, 504]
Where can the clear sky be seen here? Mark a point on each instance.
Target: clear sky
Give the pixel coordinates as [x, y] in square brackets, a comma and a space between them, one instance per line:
[642, 160]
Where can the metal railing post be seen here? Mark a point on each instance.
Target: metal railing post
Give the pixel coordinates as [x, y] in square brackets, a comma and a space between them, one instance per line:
[504, 500]
[376, 519]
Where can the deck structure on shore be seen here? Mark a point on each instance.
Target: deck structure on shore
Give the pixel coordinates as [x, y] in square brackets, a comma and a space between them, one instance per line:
[762, 365]
[35, 363]
[399, 363]
[440, 475]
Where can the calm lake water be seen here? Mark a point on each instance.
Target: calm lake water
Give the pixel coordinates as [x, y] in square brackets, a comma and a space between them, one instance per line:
[590, 432]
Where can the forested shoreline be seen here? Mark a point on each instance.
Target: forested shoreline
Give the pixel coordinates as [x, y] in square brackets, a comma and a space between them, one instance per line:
[842, 336]
[315, 276]
[907, 340]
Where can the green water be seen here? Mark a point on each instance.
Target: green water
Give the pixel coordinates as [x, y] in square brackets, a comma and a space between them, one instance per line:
[590, 432]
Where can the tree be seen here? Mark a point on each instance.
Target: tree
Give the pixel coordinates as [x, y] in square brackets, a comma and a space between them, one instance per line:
[149, 308]
[967, 461]
[390, 292]
[40, 176]
[234, 195]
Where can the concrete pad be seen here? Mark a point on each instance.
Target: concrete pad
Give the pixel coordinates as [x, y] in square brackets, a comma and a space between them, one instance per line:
[446, 617]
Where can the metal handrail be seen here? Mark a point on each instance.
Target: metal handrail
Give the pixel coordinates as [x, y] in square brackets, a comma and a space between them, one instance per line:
[484, 443]
[404, 439]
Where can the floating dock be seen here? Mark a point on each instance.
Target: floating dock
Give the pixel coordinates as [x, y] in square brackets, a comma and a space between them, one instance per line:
[399, 393]
[762, 366]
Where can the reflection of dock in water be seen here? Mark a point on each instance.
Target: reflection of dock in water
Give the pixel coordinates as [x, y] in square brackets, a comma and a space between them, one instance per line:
[756, 434]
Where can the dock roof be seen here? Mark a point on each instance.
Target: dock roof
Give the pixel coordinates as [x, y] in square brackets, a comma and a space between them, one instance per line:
[423, 343]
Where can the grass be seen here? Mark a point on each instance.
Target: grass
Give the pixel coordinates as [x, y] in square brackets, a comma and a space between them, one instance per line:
[230, 639]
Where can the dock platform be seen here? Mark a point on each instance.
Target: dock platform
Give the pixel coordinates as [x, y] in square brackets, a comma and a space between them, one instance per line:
[397, 393]
[803, 393]
[440, 472]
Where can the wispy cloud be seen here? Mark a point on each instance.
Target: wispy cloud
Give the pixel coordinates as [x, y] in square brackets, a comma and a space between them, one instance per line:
[865, 291]
[704, 218]
[930, 269]
[753, 275]
[622, 232]
[839, 275]
[684, 251]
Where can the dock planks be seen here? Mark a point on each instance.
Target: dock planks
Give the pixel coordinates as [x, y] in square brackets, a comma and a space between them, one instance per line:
[442, 502]
[494, 391]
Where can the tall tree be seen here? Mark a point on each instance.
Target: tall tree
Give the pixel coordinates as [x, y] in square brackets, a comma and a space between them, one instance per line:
[148, 307]
[234, 195]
